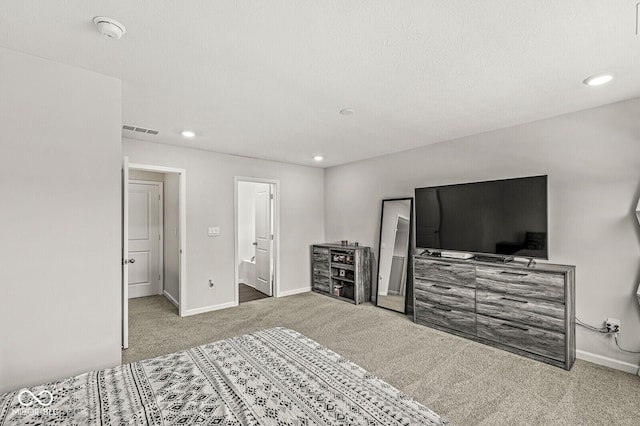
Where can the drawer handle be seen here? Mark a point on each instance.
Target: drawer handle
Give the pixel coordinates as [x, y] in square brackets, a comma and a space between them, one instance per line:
[441, 286]
[519, 274]
[514, 300]
[515, 326]
[445, 265]
[442, 309]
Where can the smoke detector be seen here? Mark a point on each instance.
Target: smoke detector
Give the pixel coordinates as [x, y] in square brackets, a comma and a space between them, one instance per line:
[109, 27]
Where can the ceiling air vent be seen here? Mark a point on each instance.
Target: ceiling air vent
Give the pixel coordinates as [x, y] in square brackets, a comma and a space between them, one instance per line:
[139, 129]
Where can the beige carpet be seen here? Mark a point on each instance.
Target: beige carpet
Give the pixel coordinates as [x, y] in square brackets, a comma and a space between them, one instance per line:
[466, 382]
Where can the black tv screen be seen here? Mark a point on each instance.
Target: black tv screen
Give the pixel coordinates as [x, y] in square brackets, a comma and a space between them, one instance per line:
[501, 217]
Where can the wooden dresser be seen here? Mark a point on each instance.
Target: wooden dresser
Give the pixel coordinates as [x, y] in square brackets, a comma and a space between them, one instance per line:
[342, 272]
[528, 311]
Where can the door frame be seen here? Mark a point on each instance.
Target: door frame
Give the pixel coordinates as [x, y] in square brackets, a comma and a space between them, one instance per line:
[275, 185]
[160, 186]
[182, 229]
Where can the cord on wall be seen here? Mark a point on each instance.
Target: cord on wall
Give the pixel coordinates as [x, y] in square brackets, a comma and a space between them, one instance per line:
[604, 331]
[590, 327]
[623, 350]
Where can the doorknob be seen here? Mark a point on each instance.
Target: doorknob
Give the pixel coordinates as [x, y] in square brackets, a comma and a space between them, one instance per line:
[132, 261]
[254, 243]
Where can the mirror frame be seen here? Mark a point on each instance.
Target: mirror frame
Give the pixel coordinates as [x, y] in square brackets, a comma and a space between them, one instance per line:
[409, 249]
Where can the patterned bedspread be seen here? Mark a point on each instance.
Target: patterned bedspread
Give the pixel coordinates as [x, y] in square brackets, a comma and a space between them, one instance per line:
[271, 377]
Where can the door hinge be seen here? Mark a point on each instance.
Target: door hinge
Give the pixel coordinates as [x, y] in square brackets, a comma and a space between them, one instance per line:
[159, 237]
[272, 236]
[159, 278]
[271, 196]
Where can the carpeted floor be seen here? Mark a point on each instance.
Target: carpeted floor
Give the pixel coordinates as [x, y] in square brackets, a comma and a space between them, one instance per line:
[466, 382]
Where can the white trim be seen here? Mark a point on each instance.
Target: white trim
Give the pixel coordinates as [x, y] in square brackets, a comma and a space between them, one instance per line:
[295, 291]
[160, 186]
[276, 221]
[171, 299]
[211, 308]
[616, 364]
[182, 208]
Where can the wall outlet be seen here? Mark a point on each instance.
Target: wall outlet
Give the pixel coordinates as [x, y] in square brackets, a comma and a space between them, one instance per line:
[613, 325]
[210, 283]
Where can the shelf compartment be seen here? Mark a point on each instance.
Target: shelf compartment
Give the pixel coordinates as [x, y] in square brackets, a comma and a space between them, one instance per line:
[342, 266]
[343, 279]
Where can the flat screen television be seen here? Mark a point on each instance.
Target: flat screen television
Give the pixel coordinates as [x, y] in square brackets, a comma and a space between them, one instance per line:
[506, 218]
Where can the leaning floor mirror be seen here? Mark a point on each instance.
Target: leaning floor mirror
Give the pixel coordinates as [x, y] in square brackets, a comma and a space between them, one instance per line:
[393, 255]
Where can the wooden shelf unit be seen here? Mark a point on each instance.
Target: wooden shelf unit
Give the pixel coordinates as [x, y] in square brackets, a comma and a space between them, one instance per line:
[341, 272]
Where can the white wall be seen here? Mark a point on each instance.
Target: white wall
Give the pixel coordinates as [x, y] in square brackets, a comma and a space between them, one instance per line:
[210, 202]
[60, 246]
[593, 162]
[145, 175]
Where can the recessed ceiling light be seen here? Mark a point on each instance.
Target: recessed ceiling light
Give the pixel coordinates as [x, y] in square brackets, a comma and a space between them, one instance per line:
[347, 111]
[598, 79]
[318, 158]
[188, 133]
[109, 27]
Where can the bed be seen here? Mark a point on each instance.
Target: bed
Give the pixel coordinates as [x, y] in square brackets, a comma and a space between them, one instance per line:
[271, 377]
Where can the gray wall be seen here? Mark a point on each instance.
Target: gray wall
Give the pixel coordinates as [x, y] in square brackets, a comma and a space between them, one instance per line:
[592, 158]
[210, 202]
[60, 246]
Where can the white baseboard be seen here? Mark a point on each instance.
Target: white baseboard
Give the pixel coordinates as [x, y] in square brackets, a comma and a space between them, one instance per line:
[627, 367]
[294, 291]
[202, 310]
[171, 299]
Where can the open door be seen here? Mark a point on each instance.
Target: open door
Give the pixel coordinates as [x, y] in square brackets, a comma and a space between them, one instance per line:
[263, 241]
[125, 253]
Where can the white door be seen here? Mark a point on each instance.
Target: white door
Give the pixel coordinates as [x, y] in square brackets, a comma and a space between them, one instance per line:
[125, 253]
[263, 241]
[144, 240]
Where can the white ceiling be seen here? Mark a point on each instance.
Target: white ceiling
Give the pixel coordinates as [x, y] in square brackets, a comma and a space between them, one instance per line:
[266, 79]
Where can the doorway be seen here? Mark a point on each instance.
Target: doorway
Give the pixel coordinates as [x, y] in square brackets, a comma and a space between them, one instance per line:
[256, 232]
[146, 242]
[153, 218]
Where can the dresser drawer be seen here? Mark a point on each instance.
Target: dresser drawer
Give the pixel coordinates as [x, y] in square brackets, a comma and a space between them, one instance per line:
[445, 316]
[321, 251]
[547, 343]
[454, 296]
[445, 272]
[320, 254]
[540, 313]
[321, 268]
[524, 283]
[321, 283]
